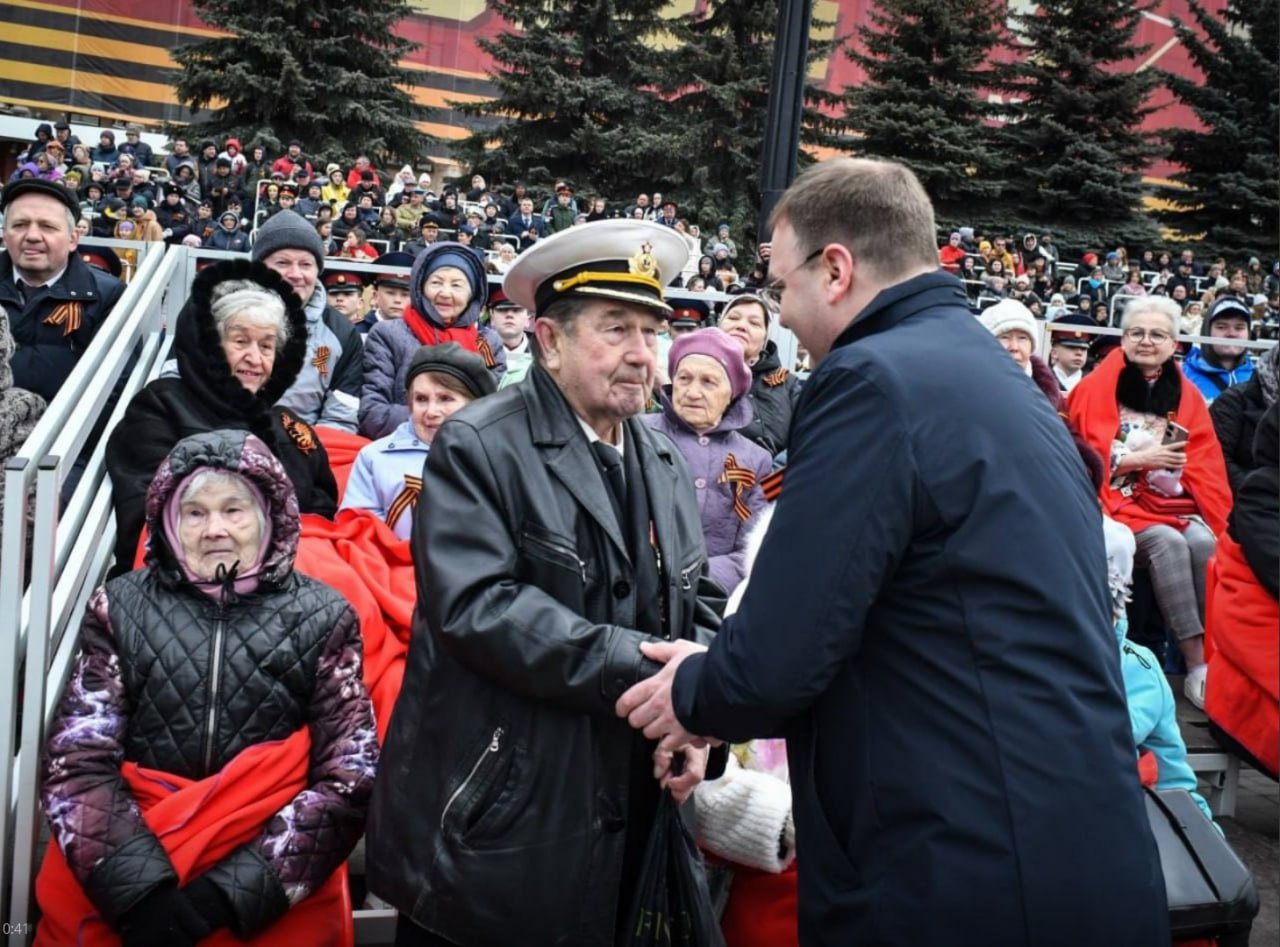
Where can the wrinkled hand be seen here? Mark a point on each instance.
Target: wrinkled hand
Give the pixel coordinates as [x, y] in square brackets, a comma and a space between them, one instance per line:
[647, 706]
[1164, 457]
[693, 772]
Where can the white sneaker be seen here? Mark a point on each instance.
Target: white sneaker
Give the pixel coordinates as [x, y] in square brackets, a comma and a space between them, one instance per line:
[1193, 686]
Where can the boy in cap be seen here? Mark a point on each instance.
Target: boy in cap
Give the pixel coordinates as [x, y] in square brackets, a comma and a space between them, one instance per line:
[345, 291]
[1069, 351]
[511, 321]
[559, 535]
[1215, 368]
[390, 291]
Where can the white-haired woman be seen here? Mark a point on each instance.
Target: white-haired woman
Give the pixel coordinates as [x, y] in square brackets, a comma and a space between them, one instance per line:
[239, 344]
[1167, 480]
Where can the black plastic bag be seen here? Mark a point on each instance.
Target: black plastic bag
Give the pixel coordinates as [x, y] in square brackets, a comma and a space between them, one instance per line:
[671, 906]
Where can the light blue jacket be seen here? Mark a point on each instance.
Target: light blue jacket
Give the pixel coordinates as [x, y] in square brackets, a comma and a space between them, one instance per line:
[1212, 380]
[1153, 716]
[386, 478]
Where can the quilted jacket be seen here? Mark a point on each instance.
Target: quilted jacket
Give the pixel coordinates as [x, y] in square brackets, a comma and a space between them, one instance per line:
[172, 678]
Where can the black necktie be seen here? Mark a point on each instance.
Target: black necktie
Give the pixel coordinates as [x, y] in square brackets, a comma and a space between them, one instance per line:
[614, 478]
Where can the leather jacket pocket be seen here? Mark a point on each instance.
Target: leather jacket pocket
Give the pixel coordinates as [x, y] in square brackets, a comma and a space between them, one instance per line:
[480, 784]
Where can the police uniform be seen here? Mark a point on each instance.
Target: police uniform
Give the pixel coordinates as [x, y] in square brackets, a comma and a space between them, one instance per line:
[387, 478]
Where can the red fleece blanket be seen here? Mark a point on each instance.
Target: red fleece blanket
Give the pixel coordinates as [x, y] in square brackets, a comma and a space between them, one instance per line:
[342, 447]
[1093, 409]
[372, 568]
[199, 823]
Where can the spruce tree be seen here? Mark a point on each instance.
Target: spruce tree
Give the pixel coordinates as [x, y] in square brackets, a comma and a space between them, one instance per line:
[1073, 144]
[922, 102]
[717, 81]
[324, 72]
[575, 98]
[1230, 170]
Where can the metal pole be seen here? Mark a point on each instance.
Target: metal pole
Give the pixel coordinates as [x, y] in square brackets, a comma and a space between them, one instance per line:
[786, 106]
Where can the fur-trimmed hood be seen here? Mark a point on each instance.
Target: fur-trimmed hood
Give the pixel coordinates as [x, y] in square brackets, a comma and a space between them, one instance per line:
[1160, 397]
[198, 349]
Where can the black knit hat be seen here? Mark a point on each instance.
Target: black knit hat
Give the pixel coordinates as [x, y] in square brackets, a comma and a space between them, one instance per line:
[450, 358]
[39, 186]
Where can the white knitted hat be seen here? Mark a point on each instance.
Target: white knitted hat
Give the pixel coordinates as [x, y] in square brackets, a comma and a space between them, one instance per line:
[1010, 314]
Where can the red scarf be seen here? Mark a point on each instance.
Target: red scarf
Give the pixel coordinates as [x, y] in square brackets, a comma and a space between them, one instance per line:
[426, 333]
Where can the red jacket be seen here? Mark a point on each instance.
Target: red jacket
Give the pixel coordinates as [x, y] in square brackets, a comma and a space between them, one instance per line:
[1093, 410]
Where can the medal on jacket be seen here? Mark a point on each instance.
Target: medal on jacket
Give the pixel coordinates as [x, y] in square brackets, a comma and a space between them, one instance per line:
[742, 480]
[67, 315]
[406, 500]
[774, 379]
[299, 433]
[321, 361]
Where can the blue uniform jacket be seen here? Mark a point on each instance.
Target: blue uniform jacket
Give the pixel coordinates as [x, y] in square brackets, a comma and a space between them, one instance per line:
[387, 478]
[929, 627]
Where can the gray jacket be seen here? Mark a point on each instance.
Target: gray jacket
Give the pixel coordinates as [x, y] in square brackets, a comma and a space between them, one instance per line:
[327, 390]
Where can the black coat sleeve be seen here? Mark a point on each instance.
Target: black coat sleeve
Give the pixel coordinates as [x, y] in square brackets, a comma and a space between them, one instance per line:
[135, 450]
[1227, 412]
[753, 678]
[1255, 525]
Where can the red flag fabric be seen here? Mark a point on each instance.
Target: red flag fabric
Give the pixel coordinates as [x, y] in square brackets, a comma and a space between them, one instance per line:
[200, 822]
[361, 557]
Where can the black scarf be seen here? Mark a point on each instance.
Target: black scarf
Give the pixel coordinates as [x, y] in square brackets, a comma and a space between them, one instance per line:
[1161, 397]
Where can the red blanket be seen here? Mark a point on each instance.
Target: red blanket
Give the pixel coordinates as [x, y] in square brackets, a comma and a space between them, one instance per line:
[364, 560]
[342, 447]
[199, 823]
[1093, 409]
[1242, 643]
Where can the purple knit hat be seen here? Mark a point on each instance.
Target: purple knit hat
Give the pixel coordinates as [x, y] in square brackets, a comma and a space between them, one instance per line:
[716, 344]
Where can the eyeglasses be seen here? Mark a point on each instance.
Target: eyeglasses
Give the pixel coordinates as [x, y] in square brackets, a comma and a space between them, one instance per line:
[1155, 335]
[772, 294]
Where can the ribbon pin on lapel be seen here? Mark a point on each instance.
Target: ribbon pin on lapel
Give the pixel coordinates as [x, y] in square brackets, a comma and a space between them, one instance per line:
[321, 361]
[406, 500]
[774, 379]
[67, 315]
[301, 434]
[486, 352]
[742, 480]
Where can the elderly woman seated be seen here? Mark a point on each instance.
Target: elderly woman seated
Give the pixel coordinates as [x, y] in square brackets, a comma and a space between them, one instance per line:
[387, 476]
[448, 290]
[239, 345]
[212, 757]
[1167, 480]
[702, 412]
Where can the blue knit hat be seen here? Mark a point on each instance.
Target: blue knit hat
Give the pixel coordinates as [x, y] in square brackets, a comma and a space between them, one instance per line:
[469, 261]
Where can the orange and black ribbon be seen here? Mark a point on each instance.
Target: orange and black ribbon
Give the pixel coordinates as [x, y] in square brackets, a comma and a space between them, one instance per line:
[321, 361]
[407, 500]
[771, 484]
[742, 480]
[482, 346]
[68, 315]
[299, 432]
[774, 379]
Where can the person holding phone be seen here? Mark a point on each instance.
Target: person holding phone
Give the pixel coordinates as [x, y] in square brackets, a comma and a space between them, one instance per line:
[1168, 480]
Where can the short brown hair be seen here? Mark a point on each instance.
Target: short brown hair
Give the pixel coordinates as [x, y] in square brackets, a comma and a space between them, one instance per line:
[877, 209]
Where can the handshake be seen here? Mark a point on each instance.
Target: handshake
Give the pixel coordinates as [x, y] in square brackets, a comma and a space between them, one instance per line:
[648, 707]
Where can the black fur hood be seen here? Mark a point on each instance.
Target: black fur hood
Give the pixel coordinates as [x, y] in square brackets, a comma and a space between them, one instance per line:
[1161, 397]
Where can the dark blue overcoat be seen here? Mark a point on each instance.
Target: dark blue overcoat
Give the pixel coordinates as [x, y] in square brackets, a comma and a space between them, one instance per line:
[928, 625]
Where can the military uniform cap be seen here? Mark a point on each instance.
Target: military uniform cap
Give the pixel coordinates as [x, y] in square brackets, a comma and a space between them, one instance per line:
[341, 281]
[394, 258]
[100, 258]
[1073, 339]
[625, 260]
[689, 313]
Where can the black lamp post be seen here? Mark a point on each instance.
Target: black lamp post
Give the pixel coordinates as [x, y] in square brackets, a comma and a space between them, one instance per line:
[786, 105]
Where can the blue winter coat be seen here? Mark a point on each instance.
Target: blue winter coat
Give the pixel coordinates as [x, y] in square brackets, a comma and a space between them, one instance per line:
[930, 628]
[1212, 380]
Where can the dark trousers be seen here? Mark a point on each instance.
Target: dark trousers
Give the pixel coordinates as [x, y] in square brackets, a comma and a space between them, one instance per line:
[409, 934]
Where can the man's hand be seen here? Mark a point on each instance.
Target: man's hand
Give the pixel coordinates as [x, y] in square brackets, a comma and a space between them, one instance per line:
[647, 705]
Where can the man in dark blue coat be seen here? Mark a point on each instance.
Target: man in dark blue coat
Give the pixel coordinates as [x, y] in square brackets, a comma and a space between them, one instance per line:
[928, 622]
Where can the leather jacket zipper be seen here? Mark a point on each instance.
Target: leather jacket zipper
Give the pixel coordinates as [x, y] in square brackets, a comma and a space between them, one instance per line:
[495, 744]
[561, 551]
[215, 685]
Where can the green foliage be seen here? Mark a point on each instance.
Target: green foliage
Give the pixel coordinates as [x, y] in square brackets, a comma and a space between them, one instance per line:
[576, 98]
[717, 82]
[1073, 142]
[921, 102]
[1230, 170]
[325, 73]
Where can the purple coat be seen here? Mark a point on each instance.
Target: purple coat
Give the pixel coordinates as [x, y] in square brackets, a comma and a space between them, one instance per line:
[707, 456]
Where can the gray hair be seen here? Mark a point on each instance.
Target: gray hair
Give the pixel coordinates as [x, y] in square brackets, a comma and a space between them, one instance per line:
[215, 477]
[1161, 305]
[255, 303]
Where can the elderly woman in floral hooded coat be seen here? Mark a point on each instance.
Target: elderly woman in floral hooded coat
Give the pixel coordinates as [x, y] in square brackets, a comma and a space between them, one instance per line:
[204, 672]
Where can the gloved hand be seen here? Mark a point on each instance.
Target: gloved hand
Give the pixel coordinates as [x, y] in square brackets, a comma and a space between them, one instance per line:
[169, 917]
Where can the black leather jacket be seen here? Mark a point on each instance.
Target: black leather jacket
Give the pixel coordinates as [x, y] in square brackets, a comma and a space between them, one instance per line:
[501, 807]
